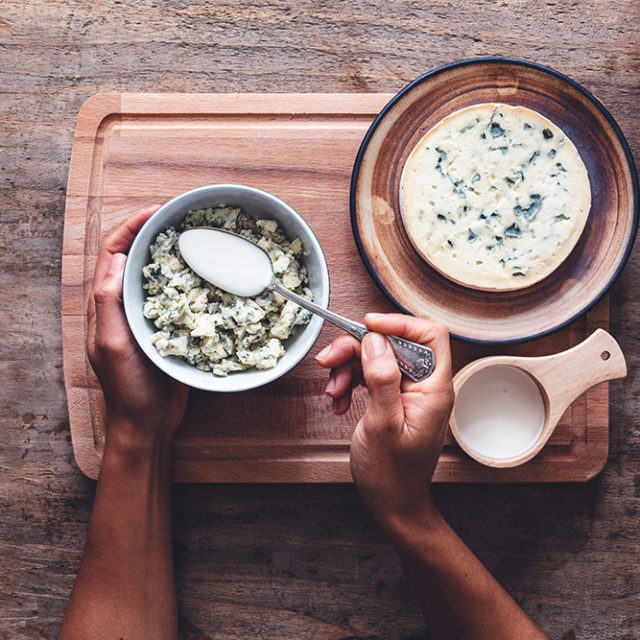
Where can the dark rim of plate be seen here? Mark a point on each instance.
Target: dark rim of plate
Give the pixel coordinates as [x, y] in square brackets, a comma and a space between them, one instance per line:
[543, 69]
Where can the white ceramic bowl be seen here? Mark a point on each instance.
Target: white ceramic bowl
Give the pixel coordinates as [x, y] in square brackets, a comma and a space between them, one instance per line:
[257, 204]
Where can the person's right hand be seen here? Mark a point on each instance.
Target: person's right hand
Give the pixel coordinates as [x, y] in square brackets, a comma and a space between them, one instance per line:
[396, 443]
[143, 404]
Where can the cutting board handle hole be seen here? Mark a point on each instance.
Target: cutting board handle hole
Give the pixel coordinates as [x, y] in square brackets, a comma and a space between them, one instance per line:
[605, 355]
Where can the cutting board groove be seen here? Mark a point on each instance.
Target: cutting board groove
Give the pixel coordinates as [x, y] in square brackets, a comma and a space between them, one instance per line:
[133, 150]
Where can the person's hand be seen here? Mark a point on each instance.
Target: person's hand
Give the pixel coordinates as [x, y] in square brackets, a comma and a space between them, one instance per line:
[143, 405]
[396, 443]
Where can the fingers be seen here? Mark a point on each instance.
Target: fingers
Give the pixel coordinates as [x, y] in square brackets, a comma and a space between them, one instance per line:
[342, 381]
[342, 356]
[341, 405]
[382, 377]
[119, 241]
[431, 334]
[341, 350]
[111, 332]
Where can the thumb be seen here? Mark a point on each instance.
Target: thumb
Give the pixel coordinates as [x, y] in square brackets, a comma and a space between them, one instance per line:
[382, 377]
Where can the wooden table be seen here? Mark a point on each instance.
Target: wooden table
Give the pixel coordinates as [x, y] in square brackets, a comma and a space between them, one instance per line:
[282, 561]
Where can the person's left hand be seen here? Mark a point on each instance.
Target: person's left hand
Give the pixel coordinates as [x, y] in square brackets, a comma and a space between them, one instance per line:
[143, 405]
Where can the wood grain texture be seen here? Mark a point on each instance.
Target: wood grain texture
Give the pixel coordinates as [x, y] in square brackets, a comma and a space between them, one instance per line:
[132, 150]
[469, 312]
[287, 561]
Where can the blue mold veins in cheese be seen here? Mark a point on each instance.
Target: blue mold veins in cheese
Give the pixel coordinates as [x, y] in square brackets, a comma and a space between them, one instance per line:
[495, 197]
[210, 328]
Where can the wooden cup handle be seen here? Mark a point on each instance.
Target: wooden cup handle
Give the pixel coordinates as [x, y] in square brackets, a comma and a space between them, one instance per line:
[568, 374]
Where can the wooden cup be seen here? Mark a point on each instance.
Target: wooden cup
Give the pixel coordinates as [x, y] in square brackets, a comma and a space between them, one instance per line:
[560, 377]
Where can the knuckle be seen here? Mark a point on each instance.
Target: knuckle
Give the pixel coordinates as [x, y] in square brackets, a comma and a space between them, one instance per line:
[440, 328]
[111, 345]
[110, 239]
[346, 342]
[102, 293]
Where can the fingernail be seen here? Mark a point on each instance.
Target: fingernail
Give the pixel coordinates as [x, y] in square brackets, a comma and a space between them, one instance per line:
[374, 316]
[324, 353]
[117, 263]
[374, 345]
[331, 385]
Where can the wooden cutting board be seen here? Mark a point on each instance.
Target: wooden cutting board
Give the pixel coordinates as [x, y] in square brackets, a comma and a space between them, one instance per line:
[133, 150]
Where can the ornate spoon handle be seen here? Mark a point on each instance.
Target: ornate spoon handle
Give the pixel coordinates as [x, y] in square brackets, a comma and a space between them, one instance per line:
[414, 360]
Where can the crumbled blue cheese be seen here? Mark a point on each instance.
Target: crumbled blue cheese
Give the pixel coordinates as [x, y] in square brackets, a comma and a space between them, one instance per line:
[495, 197]
[209, 328]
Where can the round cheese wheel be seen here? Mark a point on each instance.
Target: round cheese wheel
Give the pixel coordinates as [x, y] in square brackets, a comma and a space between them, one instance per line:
[495, 197]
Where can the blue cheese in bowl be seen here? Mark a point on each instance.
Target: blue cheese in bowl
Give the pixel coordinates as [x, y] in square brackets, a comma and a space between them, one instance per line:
[495, 197]
[209, 328]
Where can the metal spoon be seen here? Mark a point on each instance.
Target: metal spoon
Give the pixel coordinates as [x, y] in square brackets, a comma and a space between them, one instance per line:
[241, 267]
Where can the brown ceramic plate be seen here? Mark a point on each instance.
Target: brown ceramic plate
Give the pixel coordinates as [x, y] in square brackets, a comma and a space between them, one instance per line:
[481, 316]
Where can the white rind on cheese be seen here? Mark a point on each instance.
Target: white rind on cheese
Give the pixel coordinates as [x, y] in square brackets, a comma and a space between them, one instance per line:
[495, 197]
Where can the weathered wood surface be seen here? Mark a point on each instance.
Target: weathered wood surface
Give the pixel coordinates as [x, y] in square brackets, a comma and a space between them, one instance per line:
[287, 561]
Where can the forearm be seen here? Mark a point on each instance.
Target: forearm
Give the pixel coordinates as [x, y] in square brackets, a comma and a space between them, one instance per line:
[458, 596]
[125, 583]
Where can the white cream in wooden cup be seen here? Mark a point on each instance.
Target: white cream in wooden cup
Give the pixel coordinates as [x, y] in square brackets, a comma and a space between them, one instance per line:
[507, 407]
[500, 412]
